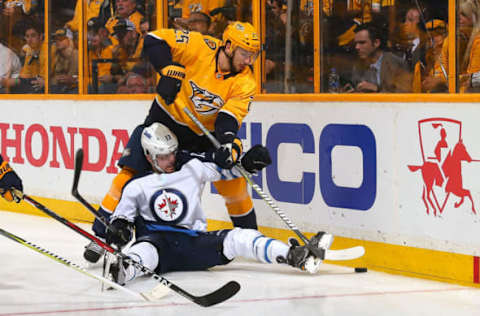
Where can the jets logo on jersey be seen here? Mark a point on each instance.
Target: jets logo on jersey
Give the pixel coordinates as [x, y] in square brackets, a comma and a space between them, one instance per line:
[205, 102]
[168, 206]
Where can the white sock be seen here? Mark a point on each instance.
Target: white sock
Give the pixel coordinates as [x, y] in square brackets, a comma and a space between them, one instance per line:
[144, 253]
[250, 243]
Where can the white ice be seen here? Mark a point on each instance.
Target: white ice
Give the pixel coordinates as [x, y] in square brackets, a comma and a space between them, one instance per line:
[32, 284]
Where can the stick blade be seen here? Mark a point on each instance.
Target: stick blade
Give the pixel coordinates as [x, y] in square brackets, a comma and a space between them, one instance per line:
[157, 293]
[77, 171]
[345, 254]
[220, 295]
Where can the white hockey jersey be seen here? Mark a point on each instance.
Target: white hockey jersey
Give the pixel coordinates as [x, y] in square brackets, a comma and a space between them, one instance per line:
[171, 199]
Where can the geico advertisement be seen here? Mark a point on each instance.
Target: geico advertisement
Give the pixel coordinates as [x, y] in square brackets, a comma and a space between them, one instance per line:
[394, 173]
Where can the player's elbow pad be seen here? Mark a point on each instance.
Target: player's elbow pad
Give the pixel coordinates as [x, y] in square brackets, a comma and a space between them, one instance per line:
[158, 52]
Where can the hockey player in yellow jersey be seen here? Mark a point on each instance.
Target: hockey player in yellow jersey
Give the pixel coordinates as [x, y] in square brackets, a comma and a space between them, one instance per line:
[214, 80]
[11, 186]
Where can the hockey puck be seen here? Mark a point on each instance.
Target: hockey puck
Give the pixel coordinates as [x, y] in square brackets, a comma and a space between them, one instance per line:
[360, 270]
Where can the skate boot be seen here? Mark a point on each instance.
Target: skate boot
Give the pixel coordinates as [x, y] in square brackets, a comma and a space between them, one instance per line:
[301, 257]
[93, 252]
[118, 271]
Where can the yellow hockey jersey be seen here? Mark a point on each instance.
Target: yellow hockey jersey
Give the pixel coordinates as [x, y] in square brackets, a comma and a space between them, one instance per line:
[205, 90]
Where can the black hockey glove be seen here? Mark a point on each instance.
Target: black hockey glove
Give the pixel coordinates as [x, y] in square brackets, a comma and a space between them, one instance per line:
[119, 232]
[170, 82]
[227, 154]
[256, 159]
[11, 187]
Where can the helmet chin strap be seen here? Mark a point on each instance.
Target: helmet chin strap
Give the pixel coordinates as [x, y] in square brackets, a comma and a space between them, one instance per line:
[155, 166]
[158, 169]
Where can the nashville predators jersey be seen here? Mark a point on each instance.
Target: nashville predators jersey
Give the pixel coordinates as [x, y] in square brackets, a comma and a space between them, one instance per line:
[205, 90]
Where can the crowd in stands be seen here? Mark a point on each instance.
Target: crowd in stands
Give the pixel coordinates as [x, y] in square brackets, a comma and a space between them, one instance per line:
[371, 45]
[386, 46]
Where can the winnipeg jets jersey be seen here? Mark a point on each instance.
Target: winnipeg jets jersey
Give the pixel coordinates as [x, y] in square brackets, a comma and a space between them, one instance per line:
[171, 199]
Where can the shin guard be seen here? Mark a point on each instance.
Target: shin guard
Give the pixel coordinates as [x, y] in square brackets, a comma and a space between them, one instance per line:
[250, 243]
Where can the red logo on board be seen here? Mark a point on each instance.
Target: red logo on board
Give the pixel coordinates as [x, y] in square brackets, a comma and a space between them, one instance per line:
[443, 151]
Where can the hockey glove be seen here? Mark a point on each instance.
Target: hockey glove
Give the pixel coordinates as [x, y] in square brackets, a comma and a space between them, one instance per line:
[119, 232]
[11, 187]
[170, 82]
[227, 154]
[256, 159]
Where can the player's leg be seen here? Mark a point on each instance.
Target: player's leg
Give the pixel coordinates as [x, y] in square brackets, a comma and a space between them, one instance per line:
[302, 258]
[173, 251]
[132, 162]
[143, 252]
[238, 201]
[252, 244]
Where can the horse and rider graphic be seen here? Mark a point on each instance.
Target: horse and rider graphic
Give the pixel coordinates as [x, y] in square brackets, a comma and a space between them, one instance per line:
[442, 174]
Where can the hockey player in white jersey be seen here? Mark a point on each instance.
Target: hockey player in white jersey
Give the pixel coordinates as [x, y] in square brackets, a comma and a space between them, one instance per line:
[170, 226]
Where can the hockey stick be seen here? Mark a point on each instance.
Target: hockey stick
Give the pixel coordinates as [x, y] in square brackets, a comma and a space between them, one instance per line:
[320, 253]
[344, 254]
[76, 178]
[218, 296]
[149, 296]
[70, 264]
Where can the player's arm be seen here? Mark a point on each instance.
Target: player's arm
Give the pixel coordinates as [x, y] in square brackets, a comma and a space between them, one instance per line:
[157, 47]
[121, 221]
[253, 160]
[11, 187]
[219, 156]
[230, 118]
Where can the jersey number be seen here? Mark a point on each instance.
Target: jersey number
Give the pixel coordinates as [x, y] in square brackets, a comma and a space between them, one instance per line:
[182, 36]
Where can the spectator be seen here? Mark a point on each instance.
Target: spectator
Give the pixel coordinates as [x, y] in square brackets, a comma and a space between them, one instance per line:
[94, 9]
[22, 6]
[99, 48]
[13, 13]
[434, 78]
[134, 84]
[9, 67]
[144, 26]
[278, 9]
[128, 51]
[338, 37]
[64, 71]
[469, 34]
[32, 74]
[205, 6]
[377, 70]
[125, 9]
[198, 22]
[411, 38]
[275, 49]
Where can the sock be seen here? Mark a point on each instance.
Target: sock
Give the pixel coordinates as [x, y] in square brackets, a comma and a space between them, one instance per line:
[250, 243]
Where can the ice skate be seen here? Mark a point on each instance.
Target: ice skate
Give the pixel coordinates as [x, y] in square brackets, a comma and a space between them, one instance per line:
[93, 252]
[118, 271]
[301, 257]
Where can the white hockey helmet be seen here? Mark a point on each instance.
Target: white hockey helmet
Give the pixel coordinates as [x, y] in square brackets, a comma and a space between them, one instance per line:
[157, 139]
